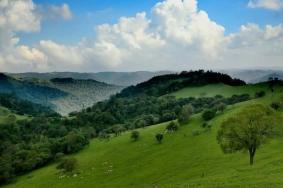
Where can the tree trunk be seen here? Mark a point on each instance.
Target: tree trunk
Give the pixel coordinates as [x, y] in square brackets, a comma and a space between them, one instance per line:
[252, 154]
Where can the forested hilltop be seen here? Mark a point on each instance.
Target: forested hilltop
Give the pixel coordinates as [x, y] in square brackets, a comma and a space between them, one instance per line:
[161, 85]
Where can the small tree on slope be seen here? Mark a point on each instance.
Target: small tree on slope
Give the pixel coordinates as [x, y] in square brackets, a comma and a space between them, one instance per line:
[247, 130]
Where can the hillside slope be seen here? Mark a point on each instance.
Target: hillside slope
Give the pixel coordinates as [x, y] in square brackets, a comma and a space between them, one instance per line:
[190, 157]
[64, 95]
[30, 91]
[222, 89]
[82, 93]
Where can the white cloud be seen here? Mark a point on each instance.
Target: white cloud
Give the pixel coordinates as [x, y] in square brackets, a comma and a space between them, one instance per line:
[266, 4]
[18, 16]
[176, 35]
[62, 11]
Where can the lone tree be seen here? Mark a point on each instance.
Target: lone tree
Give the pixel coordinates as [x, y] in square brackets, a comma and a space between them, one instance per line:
[247, 130]
[208, 114]
[185, 114]
[68, 165]
[135, 135]
[172, 126]
[159, 137]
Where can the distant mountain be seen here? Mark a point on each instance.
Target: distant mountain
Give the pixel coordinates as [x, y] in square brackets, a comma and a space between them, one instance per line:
[255, 76]
[63, 95]
[82, 93]
[30, 91]
[114, 78]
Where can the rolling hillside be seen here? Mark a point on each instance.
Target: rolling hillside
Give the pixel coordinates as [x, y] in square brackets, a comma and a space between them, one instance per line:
[190, 157]
[82, 93]
[30, 91]
[64, 95]
[222, 89]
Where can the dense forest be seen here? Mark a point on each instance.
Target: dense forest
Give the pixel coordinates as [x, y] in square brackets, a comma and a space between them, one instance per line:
[21, 107]
[31, 143]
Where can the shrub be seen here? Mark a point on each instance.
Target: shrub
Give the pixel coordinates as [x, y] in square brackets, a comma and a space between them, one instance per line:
[103, 135]
[275, 105]
[159, 137]
[196, 133]
[172, 126]
[68, 165]
[259, 94]
[59, 155]
[208, 115]
[204, 125]
[135, 135]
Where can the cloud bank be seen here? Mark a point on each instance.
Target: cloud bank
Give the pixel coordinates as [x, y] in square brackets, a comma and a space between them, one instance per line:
[176, 35]
[266, 4]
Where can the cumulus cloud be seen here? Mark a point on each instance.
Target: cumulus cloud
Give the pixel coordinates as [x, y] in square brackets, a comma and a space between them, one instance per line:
[176, 35]
[62, 11]
[266, 4]
[18, 16]
[175, 27]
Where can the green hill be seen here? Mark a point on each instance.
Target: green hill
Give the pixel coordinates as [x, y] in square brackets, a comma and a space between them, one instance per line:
[222, 89]
[190, 157]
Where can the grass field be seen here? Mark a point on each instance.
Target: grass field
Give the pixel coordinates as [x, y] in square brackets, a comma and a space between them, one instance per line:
[221, 89]
[183, 160]
[5, 113]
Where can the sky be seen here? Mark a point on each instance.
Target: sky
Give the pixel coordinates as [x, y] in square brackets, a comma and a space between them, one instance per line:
[133, 35]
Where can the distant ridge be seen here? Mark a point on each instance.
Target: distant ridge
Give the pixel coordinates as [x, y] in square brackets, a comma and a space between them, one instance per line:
[113, 78]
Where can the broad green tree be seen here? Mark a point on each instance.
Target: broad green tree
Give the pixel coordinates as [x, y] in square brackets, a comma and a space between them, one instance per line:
[185, 114]
[135, 135]
[159, 137]
[247, 130]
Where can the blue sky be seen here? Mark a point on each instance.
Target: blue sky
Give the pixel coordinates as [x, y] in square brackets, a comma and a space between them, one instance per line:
[89, 13]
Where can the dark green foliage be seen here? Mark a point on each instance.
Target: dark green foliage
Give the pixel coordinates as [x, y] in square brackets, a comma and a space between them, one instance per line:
[172, 127]
[139, 112]
[208, 114]
[196, 133]
[159, 137]
[135, 135]
[259, 94]
[68, 165]
[30, 91]
[161, 85]
[6, 169]
[275, 105]
[185, 114]
[104, 136]
[31, 144]
[247, 130]
[220, 106]
[204, 124]
[20, 106]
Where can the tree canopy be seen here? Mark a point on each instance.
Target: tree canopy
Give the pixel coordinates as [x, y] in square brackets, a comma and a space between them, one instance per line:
[247, 130]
